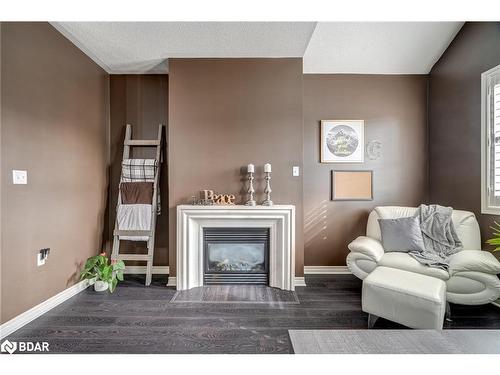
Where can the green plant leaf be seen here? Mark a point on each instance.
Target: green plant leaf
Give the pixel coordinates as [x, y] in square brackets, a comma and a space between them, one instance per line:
[495, 240]
[98, 267]
[112, 285]
[86, 275]
[119, 275]
[90, 263]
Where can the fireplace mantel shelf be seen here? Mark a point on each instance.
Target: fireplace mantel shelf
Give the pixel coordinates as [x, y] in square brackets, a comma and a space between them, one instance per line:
[192, 219]
[235, 207]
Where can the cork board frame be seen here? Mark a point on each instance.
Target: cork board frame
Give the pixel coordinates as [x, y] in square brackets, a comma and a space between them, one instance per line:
[351, 185]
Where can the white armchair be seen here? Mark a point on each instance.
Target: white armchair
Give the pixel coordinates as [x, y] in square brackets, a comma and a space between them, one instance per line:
[471, 278]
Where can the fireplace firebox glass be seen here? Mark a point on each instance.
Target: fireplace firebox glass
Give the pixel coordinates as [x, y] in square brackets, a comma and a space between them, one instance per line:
[236, 255]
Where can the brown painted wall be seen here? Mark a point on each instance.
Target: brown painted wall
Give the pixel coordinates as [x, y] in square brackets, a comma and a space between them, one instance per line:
[455, 118]
[394, 110]
[141, 101]
[226, 113]
[54, 125]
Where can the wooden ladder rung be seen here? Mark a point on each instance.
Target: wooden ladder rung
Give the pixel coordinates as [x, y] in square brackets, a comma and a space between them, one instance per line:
[144, 257]
[134, 233]
[139, 142]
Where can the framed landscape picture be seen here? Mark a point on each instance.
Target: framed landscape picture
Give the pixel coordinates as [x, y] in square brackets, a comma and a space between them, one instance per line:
[342, 141]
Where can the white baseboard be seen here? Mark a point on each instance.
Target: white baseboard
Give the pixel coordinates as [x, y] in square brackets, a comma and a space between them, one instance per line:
[172, 281]
[21, 320]
[326, 270]
[137, 270]
[300, 281]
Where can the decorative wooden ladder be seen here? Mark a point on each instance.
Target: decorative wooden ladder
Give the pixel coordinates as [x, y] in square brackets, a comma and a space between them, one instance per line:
[155, 206]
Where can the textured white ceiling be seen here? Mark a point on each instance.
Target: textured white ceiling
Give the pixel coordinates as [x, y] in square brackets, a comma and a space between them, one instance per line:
[138, 47]
[378, 47]
[327, 47]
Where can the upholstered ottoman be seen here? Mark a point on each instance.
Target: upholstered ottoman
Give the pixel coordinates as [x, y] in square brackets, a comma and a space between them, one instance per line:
[408, 298]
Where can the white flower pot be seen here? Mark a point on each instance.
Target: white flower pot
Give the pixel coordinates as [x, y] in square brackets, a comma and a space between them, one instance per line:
[100, 286]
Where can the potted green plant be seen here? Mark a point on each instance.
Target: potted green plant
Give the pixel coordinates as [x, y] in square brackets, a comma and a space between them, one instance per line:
[106, 275]
[495, 241]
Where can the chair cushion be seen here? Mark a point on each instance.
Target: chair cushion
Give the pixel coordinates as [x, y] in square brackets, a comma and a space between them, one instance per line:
[404, 261]
[407, 283]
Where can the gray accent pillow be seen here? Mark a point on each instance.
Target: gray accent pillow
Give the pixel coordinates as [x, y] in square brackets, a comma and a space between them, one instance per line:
[402, 234]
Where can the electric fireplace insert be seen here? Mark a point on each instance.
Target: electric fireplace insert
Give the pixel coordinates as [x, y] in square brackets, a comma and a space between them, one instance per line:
[236, 256]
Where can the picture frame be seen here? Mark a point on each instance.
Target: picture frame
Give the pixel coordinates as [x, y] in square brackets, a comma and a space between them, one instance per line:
[342, 141]
[351, 185]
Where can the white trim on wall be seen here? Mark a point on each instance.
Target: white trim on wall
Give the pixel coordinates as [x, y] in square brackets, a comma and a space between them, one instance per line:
[487, 143]
[172, 281]
[28, 316]
[326, 270]
[300, 281]
[138, 270]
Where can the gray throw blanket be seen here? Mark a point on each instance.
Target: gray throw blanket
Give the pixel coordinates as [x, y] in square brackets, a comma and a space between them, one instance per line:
[440, 238]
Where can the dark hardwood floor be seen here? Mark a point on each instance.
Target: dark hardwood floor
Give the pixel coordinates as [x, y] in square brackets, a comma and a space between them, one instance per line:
[139, 319]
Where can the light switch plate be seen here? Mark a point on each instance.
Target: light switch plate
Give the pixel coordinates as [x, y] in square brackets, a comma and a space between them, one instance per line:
[295, 171]
[42, 256]
[19, 177]
[39, 260]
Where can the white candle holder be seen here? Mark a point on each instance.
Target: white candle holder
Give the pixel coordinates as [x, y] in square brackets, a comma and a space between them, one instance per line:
[251, 201]
[267, 190]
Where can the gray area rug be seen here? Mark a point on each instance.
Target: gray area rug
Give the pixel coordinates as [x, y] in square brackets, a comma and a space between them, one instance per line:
[235, 294]
[395, 341]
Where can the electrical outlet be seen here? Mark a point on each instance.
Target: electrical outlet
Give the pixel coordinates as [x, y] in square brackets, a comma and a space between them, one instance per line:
[295, 171]
[42, 256]
[19, 177]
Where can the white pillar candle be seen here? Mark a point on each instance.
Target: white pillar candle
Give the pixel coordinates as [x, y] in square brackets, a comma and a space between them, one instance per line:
[267, 168]
[251, 168]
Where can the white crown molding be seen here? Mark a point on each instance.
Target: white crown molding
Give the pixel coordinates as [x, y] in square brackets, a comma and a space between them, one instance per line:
[28, 316]
[138, 270]
[326, 270]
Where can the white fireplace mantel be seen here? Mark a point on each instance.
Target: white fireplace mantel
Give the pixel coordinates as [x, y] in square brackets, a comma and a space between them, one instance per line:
[191, 220]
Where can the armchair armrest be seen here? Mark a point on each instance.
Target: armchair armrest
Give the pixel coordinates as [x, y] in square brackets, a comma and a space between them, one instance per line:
[367, 246]
[474, 260]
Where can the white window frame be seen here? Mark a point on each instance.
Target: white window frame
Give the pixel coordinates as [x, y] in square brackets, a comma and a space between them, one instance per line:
[487, 143]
